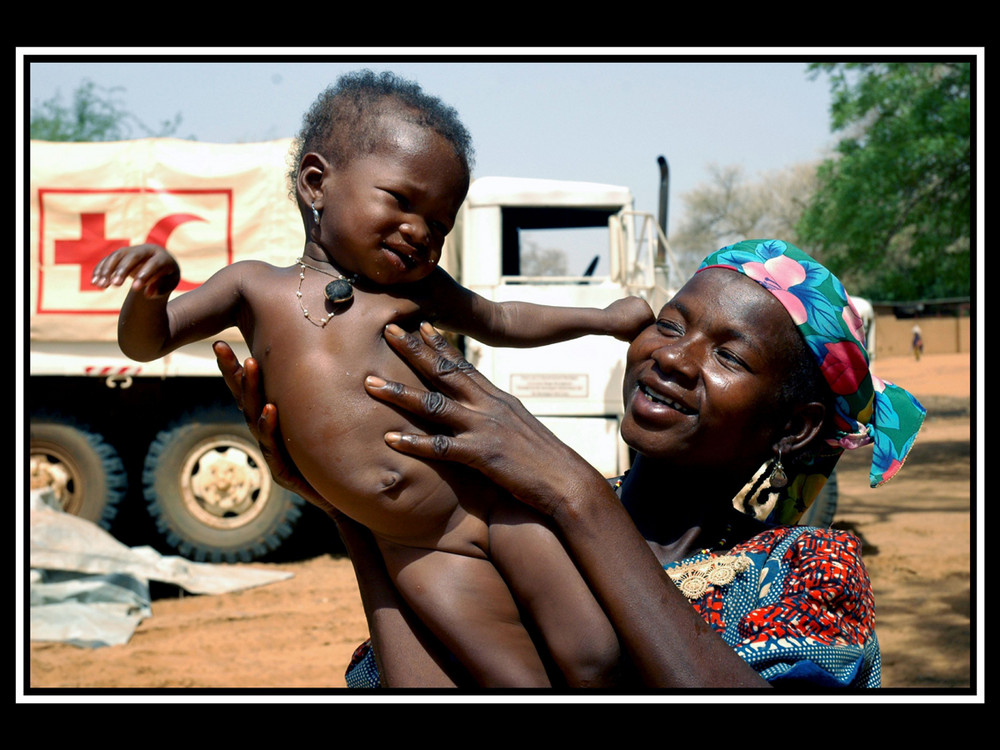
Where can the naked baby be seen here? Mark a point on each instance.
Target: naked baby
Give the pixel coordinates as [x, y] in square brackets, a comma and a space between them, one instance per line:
[380, 173]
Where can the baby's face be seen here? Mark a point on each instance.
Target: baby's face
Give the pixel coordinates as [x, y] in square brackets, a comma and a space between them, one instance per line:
[385, 215]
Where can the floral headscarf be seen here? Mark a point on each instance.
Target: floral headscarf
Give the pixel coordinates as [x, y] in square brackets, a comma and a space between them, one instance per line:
[868, 410]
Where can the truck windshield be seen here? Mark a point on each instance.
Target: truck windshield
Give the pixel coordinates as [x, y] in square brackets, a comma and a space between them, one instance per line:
[571, 244]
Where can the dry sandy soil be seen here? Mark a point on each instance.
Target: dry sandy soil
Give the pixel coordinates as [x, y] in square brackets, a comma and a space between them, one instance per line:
[299, 633]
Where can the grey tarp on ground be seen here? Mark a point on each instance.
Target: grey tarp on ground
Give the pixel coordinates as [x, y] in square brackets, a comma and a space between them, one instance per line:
[89, 589]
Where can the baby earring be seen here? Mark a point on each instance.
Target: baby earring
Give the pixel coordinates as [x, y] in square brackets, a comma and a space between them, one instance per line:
[315, 213]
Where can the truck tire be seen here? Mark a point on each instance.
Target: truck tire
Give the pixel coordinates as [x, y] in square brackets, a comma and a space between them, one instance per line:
[824, 507]
[83, 471]
[211, 494]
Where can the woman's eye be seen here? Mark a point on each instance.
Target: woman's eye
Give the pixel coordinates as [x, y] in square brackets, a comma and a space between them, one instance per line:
[731, 358]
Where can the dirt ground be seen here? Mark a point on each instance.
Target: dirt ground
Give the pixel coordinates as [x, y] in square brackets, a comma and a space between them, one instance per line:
[299, 633]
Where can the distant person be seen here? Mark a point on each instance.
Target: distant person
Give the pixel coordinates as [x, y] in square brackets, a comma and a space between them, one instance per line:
[918, 342]
[381, 171]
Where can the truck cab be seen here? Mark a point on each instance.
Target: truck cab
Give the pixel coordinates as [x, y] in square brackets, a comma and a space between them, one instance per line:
[549, 242]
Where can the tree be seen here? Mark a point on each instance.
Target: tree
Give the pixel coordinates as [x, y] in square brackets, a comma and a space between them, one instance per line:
[892, 215]
[730, 207]
[93, 115]
[537, 261]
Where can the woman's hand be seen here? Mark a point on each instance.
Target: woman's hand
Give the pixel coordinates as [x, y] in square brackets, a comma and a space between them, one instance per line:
[486, 428]
[262, 419]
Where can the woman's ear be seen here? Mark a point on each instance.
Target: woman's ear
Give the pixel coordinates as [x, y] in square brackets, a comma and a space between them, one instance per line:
[804, 425]
[313, 169]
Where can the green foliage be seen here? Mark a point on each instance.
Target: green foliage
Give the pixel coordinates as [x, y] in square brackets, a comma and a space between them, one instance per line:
[892, 214]
[94, 114]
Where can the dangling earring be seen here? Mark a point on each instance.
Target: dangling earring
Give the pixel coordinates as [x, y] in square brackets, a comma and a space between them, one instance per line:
[315, 213]
[778, 476]
[759, 496]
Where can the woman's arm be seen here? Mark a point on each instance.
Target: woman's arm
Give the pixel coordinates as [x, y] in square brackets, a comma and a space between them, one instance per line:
[407, 656]
[668, 643]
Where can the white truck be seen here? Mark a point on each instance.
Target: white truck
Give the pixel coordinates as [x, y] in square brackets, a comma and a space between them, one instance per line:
[107, 432]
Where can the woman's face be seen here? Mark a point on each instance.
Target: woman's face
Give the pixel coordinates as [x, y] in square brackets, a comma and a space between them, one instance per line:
[702, 384]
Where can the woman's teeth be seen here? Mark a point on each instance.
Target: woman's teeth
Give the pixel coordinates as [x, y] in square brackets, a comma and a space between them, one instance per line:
[664, 400]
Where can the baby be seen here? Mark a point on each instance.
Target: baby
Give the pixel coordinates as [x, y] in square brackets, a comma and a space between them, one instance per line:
[381, 171]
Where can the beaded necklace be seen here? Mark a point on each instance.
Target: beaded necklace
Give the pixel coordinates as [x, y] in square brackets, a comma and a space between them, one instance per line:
[337, 291]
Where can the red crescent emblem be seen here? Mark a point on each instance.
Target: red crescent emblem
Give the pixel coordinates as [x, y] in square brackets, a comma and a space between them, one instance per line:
[161, 232]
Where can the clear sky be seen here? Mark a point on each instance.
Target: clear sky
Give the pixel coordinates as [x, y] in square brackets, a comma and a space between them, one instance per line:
[593, 118]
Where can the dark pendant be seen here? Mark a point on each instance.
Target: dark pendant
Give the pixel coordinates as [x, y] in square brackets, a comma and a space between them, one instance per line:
[338, 291]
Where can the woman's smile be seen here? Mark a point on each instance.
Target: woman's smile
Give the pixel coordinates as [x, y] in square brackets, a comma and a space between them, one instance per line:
[659, 402]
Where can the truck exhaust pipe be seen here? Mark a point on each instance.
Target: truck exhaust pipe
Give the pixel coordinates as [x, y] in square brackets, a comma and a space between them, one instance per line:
[661, 252]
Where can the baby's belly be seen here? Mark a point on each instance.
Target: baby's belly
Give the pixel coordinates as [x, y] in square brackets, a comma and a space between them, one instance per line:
[334, 431]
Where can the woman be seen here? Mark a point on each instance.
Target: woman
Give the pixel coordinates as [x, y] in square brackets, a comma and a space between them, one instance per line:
[738, 402]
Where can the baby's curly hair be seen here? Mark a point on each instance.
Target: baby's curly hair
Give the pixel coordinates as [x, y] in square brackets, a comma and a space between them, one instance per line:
[344, 121]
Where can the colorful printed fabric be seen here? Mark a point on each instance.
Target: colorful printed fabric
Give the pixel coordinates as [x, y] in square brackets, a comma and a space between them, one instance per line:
[868, 410]
[803, 612]
[362, 672]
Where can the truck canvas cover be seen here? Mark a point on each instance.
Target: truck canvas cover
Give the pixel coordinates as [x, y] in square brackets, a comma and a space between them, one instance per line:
[209, 204]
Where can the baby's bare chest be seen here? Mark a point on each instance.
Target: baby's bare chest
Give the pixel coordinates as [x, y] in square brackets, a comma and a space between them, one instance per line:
[332, 428]
[323, 355]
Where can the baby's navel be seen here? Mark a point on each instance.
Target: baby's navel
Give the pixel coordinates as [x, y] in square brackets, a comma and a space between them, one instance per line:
[388, 480]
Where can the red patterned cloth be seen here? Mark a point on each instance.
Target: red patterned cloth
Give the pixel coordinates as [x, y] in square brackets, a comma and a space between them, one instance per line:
[803, 611]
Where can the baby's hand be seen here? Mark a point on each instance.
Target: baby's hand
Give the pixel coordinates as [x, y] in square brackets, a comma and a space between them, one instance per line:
[629, 317]
[155, 270]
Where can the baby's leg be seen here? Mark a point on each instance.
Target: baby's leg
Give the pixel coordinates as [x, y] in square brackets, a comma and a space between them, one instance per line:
[547, 584]
[467, 605]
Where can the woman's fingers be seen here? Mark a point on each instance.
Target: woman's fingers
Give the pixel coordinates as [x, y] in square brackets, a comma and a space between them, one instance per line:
[431, 406]
[428, 404]
[430, 446]
[267, 436]
[465, 396]
[252, 393]
[430, 354]
[485, 428]
[231, 370]
[243, 382]
[438, 361]
[265, 429]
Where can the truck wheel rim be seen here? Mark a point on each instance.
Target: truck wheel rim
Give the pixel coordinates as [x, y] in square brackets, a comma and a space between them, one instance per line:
[54, 469]
[223, 485]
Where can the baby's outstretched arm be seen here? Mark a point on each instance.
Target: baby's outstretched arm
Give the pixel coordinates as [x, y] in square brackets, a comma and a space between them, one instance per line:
[524, 324]
[149, 326]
